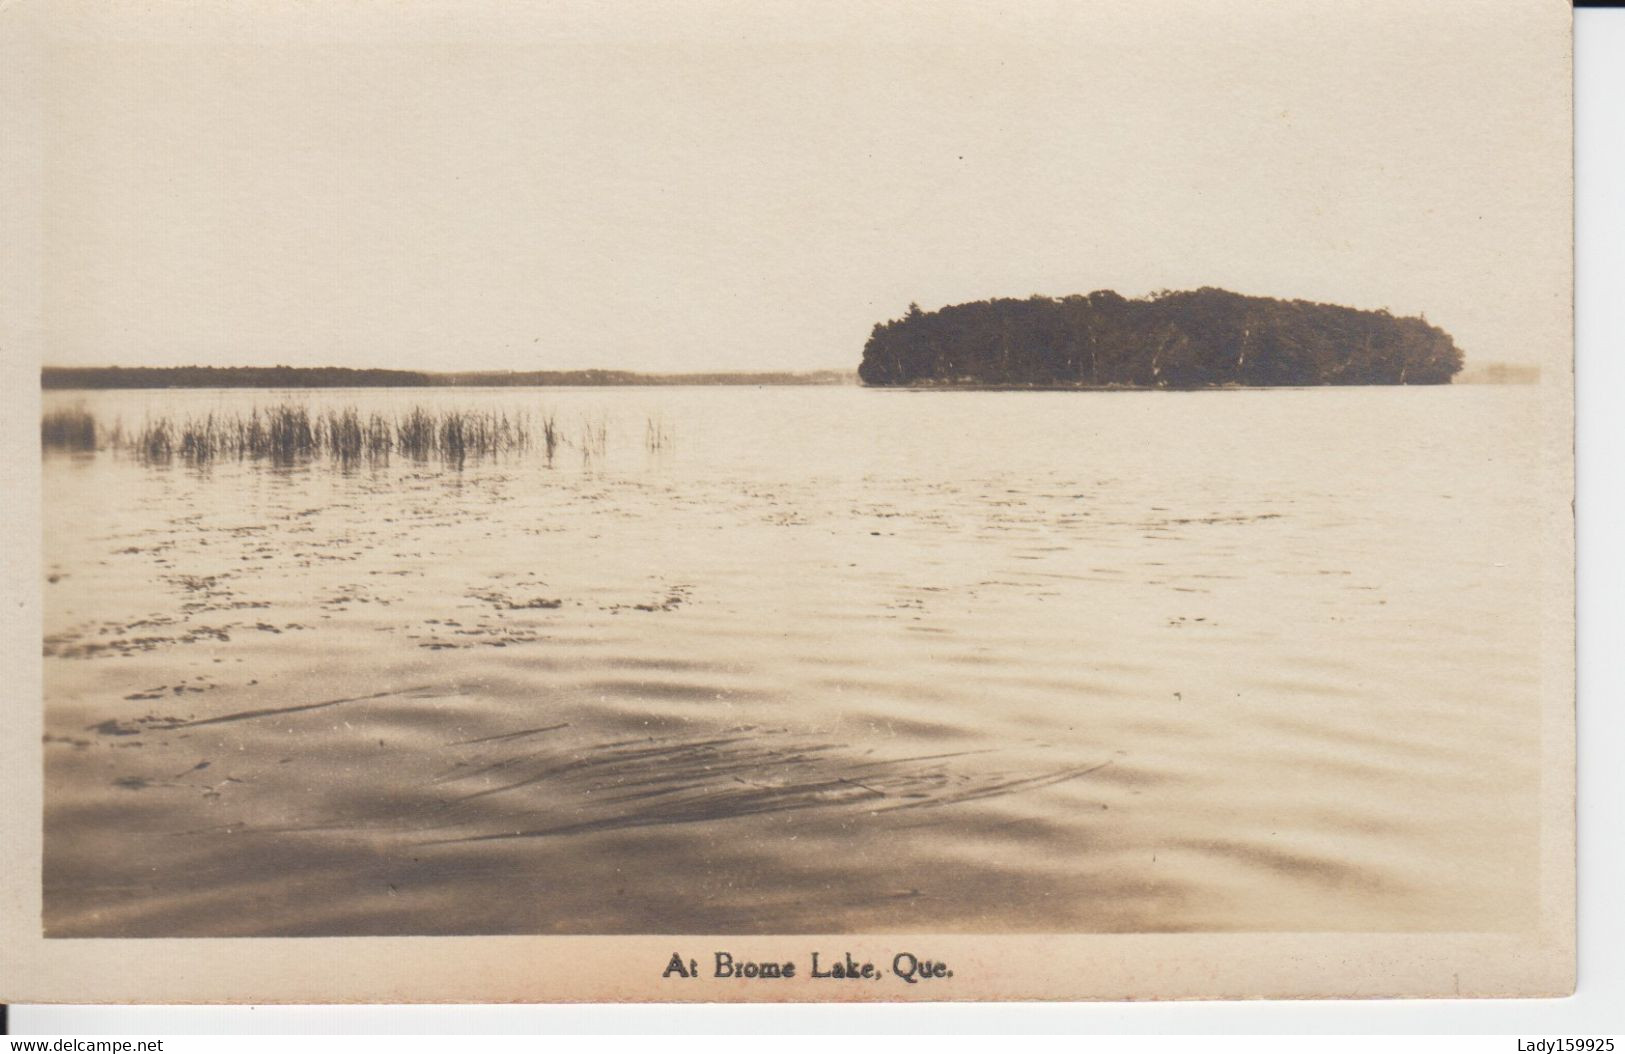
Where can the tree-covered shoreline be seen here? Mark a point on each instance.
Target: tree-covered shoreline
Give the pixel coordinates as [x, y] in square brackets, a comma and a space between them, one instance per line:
[1205, 338]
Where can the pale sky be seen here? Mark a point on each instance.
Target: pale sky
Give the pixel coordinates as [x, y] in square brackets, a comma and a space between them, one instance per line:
[694, 186]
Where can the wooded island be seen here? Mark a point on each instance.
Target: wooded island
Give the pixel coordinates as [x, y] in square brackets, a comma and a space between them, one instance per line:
[1201, 339]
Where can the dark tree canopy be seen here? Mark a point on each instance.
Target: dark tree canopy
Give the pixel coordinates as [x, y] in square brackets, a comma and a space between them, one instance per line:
[1201, 339]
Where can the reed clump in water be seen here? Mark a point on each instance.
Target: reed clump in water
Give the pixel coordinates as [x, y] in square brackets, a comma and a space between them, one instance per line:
[594, 438]
[288, 433]
[415, 433]
[469, 433]
[379, 436]
[657, 434]
[344, 433]
[156, 440]
[71, 429]
[289, 436]
[551, 436]
[202, 440]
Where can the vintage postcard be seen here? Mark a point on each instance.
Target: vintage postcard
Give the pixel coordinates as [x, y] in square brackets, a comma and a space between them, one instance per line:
[704, 500]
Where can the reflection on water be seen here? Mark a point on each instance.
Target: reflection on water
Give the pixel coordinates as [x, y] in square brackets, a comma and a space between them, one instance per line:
[803, 660]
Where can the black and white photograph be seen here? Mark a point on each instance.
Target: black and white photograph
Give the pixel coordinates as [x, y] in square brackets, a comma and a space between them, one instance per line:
[933, 477]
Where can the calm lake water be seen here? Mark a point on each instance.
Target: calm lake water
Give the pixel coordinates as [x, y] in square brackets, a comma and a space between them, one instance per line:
[830, 659]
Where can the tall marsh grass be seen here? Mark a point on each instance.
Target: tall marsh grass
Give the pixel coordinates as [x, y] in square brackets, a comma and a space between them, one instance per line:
[552, 438]
[71, 429]
[594, 441]
[657, 434]
[288, 433]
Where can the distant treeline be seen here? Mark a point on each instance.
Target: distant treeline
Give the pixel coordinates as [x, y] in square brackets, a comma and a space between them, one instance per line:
[1201, 339]
[342, 377]
[1499, 373]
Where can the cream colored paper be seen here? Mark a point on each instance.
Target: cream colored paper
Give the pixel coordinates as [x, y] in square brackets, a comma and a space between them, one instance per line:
[720, 186]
